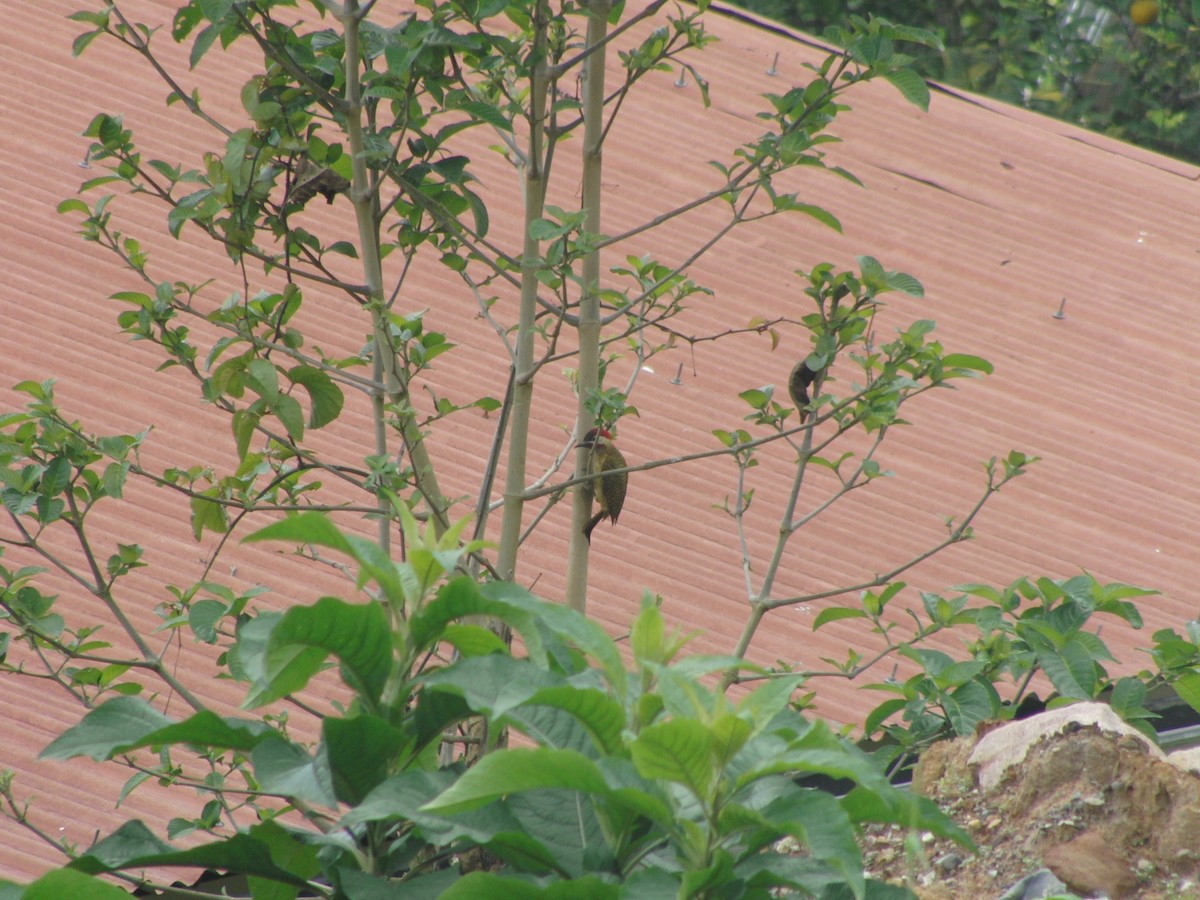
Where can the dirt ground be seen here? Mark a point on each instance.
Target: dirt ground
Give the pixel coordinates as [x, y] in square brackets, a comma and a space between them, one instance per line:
[1100, 810]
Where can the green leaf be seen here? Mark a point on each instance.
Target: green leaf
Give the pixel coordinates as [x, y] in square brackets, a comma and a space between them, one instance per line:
[1187, 686]
[647, 638]
[834, 613]
[911, 85]
[356, 885]
[110, 728]
[902, 808]
[966, 361]
[564, 622]
[127, 723]
[882, 713]
[325, 396]
[677, 751]
[402, 796]
[486, 112]
[359, 752]
[207, 729]
[601, 715]
[968, 705]
[473, 640]
[215, 10]
[284, 768]
[1071, 670]
[493, 684]
[756, 398]
[357, 634]
[824, 216]
[344, 248]
[244, 423]
[547, 230]
[489, 886]
[132, 846]
[509, 771]
[263, 378]
[820, 824]
[905, 284]
[305, 528]
[63, 883]
[207, 515]
[202, 43]
[73, 204]
[317, 528]
[1127, 697]
[287, 410]
[765, 701]
[203, 616]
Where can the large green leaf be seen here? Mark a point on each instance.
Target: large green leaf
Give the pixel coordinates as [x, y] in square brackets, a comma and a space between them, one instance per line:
[969, 704]
[64, 883]
[520, 769]
[601, 717]
[887, 804]
[679, 751]
[359, 752]
[813, 877]
[457, 599]
[493, 684]
[116, 725]
[565, 622]
[356, 885]
[317, 528]
[357, 634]
[814, 818]
[762, 704]
[637, 795]
[1188, 688]
[132, 846]
[1071, 670]
[564, 822]
[403, 798]
[488, 886]
[285, 768]
[811, 748]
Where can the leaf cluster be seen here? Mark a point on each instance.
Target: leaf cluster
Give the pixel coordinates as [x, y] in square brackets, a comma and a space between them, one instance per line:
[629, 780]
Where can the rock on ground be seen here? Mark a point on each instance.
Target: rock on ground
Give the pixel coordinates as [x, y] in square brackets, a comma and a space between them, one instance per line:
[1080, 794]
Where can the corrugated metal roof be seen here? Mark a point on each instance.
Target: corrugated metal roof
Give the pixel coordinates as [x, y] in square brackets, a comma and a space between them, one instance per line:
[1001, 214]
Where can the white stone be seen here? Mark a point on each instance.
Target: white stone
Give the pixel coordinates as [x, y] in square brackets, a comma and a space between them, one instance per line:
[1006, 746]
[1188, 760]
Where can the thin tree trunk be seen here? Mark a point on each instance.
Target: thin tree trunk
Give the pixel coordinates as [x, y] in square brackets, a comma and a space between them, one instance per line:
[589, 306]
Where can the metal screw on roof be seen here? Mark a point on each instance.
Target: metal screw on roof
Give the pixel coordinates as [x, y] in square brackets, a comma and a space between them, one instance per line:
[774, 70]
[86, 162]
[678, 379]
[1062, 310]
[681, 81]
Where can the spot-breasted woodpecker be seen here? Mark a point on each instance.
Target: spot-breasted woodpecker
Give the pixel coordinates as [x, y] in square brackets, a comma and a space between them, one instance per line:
[608, 490]
[802, 376]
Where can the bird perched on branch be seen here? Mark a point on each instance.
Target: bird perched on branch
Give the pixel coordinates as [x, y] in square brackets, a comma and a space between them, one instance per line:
[309, 179]
[802, 376]
[608, 490]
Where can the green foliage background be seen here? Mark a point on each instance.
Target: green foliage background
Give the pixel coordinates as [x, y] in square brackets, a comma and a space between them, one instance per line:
[1080, 61]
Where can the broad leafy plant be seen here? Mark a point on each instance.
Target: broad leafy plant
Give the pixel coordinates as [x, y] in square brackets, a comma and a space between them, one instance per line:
[630, 782]
[1032, 633]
